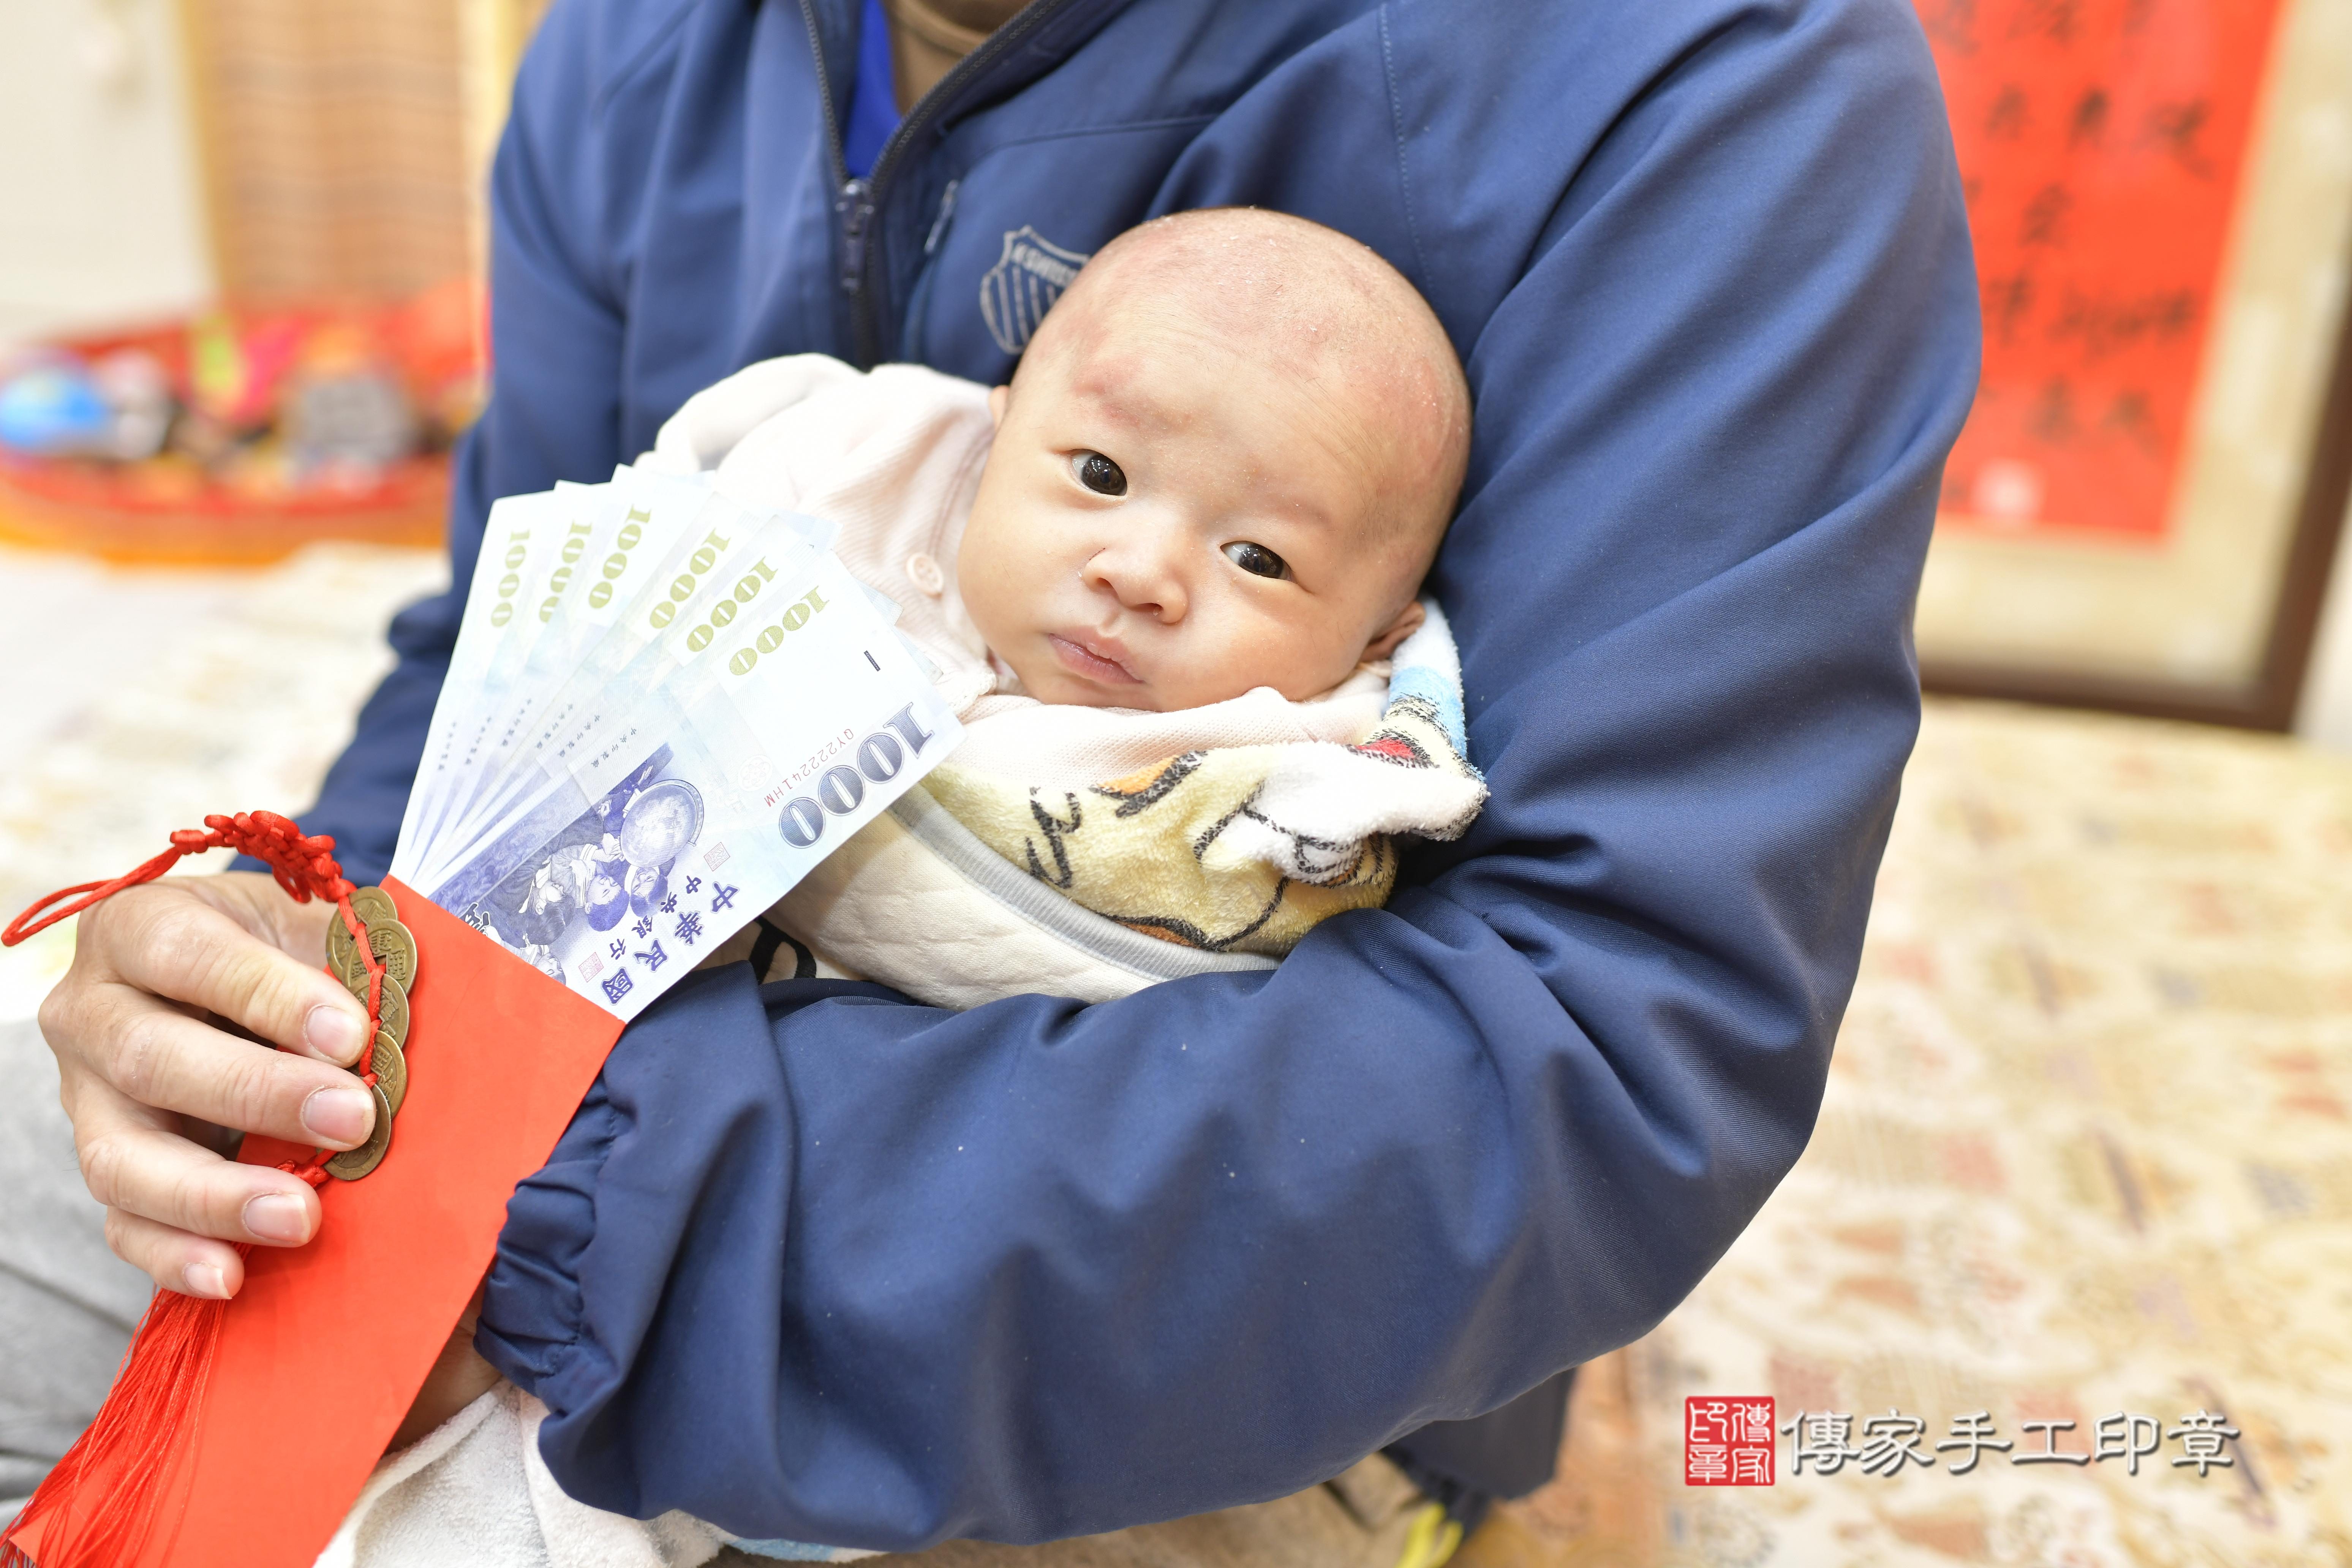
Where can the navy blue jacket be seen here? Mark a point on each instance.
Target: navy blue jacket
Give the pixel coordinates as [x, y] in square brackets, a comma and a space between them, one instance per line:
[816, 1262]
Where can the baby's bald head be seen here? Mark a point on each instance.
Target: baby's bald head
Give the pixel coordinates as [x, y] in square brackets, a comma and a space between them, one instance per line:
[1324, 307]
[1225, 461]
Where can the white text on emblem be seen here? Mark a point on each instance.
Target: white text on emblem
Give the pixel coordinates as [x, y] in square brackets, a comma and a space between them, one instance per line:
[1015, 293]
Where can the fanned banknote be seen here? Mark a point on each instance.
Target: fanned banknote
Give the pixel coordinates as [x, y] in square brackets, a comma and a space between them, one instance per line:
[663, 709]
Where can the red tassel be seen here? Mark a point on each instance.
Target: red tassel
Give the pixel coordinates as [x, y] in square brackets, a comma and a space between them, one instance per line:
[96, 1507]
[140, 1431]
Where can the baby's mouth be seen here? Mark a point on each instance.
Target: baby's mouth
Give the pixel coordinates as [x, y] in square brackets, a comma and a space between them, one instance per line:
[1091, 660]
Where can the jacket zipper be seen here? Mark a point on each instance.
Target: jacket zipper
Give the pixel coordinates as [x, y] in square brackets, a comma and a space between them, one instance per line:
[855, 201]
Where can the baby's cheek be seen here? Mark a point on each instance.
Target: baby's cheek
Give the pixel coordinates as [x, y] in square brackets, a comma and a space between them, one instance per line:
[1229, 659]
[989, 590]
[1316, 657]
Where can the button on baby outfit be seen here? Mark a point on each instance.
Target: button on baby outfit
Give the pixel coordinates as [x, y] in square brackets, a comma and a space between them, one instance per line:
[924, 573]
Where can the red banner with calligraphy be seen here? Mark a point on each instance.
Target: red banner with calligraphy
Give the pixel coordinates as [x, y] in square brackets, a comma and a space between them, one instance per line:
[2101, 144]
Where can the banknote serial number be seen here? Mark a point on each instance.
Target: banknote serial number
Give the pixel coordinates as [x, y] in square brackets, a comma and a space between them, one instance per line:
[811, 768]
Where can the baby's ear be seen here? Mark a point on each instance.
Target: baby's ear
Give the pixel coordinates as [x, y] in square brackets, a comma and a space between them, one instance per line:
[998, 396]
[1408, 621]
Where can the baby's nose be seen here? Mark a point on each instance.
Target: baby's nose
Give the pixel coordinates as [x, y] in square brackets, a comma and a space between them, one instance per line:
[1144, 577]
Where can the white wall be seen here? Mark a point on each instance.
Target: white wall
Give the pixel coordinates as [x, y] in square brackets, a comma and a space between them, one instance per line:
[100, 201]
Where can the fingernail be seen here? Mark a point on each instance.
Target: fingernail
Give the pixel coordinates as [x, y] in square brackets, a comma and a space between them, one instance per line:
[204, 1279]
[339, 1116]
[277, 1216]
[332, 1033]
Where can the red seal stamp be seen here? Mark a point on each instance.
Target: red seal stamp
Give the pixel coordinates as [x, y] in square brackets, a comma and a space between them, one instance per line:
[1728, 1441]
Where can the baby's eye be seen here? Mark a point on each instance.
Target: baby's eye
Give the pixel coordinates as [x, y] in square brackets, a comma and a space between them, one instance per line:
[1256, 559]
[1099, 474]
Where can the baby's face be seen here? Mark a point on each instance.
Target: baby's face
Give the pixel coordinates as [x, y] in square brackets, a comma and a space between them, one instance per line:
[1169, 520]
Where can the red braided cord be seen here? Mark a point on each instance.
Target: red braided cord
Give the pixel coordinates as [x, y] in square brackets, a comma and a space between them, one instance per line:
[305, 867]
[170, 1360]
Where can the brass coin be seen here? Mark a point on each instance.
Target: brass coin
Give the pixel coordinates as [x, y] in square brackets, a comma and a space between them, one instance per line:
[352, 1163]
[372, 905]
[393, 1013]
[395, 949]
[391, 1068]
[342, 951]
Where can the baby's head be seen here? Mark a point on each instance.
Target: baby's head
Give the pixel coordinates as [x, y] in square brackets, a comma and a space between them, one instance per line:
[1225, 461]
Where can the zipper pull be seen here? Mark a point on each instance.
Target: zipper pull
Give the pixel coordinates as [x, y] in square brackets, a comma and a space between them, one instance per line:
[946, 212]
[855, 206]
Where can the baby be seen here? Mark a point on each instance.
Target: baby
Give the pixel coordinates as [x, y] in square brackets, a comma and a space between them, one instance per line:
[1225, 462]
[1160, 574]
[1181, 546]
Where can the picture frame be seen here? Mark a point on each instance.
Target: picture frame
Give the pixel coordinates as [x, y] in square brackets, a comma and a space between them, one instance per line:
[2143, 511]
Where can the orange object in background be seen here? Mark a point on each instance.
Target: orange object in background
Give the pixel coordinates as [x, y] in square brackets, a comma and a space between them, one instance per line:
[235, 483]
[2100, 145]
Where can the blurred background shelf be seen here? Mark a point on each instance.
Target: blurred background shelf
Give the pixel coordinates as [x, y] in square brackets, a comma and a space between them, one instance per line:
[164, 524]
[252, 432]
[235, 165]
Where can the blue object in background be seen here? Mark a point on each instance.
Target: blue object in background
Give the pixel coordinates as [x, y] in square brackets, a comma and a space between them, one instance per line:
[54, 409]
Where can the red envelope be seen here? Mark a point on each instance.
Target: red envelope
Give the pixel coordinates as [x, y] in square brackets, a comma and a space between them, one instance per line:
[320, 1355]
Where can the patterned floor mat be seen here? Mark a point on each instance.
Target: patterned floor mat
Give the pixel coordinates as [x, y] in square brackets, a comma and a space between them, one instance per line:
[2084, 1154]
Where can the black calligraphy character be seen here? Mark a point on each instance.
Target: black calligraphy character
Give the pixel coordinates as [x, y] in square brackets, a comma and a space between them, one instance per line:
[2006, 120]
[2104, 324]
[2045, 217]
[2174, 128]
[2053, 416]
[2130, 417]
[2008, 302]
[2053, 19]
[2089, 125]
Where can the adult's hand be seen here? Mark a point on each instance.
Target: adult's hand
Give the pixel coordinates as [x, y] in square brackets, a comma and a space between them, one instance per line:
[156, 1029]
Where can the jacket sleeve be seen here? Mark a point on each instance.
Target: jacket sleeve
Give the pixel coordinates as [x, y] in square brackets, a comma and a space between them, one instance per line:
[552, 413]
[814, 1262]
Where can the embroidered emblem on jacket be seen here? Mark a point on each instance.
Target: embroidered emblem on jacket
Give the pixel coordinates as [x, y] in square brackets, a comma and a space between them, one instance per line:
[1015, 293]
